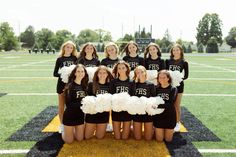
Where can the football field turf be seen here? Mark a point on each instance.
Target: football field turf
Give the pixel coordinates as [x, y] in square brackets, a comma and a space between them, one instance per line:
[28, 103]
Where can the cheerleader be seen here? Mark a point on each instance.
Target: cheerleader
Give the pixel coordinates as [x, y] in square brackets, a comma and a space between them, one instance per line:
[177, 62]
[131, 50]
[100, 85]
[152, 58]
[88, 56]
[165, 122]
[73, 117]
[120, 84]
[67, 57]
[111, 52]
[146, 89]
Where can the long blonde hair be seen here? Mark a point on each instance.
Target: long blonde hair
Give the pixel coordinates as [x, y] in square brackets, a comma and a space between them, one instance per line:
[62, 51]
[142, 68]
[111, 44]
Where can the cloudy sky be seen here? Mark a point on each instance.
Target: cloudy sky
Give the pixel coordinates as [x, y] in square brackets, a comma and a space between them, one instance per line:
[180, 17]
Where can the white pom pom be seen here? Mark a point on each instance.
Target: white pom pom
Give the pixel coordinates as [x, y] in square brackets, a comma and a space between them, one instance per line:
[152, 105]
[89, 105]
[131, 74]
[151, 75]
[134, 106]
[120, 102]
[103, 102]
[91, 71]
[65, 72]
[177, 77]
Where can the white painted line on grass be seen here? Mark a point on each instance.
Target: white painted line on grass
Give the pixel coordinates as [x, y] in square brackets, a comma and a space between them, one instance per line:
[212, 95]
[215, 67]
[33, 77]
[213, 79]
[30, 94]
[217, 150]
[14, 151]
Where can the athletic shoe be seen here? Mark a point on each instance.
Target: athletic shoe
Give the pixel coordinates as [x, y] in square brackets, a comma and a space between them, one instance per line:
[177, 127]
[109, 128]
[61, 128]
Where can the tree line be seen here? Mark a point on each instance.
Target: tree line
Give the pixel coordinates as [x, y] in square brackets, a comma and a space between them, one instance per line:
[209, 35]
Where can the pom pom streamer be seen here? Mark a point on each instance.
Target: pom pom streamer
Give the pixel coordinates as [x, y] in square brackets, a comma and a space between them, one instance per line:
[152, 105]
[120, 102]
[65, 72]
[177, 77]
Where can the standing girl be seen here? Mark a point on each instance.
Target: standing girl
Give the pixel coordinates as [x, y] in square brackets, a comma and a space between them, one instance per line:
[146, 89]
[165, 122]
[100, 85]
[73, 117]
[152, 58]
[131, 50]
[67, 57]
[111, 52]
[88, 56]
[120, 84]
[177, 62]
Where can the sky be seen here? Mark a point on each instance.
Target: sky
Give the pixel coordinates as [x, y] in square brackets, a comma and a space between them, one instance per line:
[180, 17]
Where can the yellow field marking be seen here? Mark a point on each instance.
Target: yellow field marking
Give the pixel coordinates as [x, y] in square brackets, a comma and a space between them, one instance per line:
[108, 147]
[54, 125]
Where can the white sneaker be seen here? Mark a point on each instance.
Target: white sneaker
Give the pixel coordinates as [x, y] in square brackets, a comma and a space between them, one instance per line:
[177, 127]
[109, 128]
[61, 128]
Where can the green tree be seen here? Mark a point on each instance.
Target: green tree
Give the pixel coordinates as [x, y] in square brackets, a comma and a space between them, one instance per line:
[231, 38]
[44, 37]
[28, 37]
[60, 37]
[87, 35]
[142, 34]
[8, 39]
[103, 35]
[189, 49]
[200, 48]
[209, 26]
[212, 46]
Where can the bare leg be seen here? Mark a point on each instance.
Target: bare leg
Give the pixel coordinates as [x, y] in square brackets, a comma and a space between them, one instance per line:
[61, 106]
[126, 130]
[169, 135]
[101, 130]
[79, 132]
[159, 134]
[177, 106]
[148, 130]
[68, 134]
[137, 130]
[116, 129]
[89, 130]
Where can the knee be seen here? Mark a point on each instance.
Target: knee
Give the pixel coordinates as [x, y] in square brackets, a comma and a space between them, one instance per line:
[168, 139]
[79, 138]
[68, 141]
[100, 136]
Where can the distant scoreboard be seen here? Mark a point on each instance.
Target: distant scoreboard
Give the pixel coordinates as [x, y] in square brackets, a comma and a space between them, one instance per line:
[143, 42]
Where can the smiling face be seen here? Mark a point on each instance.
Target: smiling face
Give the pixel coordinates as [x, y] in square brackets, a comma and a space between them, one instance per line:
[68, 48]
[89, 50]
[132, 49]
[140, 74]
[163, 79]
[102, 74]
[153, 51]
[80, 73]
[176, 52]
[111, 50]
[121, 69]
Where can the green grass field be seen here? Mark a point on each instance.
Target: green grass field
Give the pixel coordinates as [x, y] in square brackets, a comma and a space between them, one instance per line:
[22, 73]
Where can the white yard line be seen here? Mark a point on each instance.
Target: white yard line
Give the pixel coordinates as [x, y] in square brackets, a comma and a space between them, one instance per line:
[215, 67]
[30, 94]
[213, 79]
[217, 150]
[14, 151]
[22, 65]
[212, 95]
[33, 77]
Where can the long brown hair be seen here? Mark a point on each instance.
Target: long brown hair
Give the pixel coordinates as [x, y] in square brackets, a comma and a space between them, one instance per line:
[126, 49]
[84, 81]
[181, 50]
[147, 54]
[83, 53]
[115, 69]
[96, 79]
[167, 73]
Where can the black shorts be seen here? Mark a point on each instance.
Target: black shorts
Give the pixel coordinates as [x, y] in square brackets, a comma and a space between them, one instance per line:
[121, 116]
[73, 116]
[142, 118]
[165, 120]
[181, 87]
[97, 118]
[60, 86]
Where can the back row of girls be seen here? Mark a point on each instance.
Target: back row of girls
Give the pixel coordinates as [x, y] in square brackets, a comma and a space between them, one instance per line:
[88, 56]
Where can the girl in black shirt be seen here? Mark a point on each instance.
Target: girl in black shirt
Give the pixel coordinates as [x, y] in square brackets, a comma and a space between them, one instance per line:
[152, 58]
[131, 50]
[88, 56]
[73, 116]
[165, 122]
[67, 57]
[97, 122]
[120, 84]
[146, 89]
[111, 52]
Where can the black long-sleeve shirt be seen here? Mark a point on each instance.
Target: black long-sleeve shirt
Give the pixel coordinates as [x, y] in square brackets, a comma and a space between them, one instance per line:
[134, 61]
[157, 64]
[63, 61]
[89, 63]
[179, 65]
[109, 62]
[119, 86]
